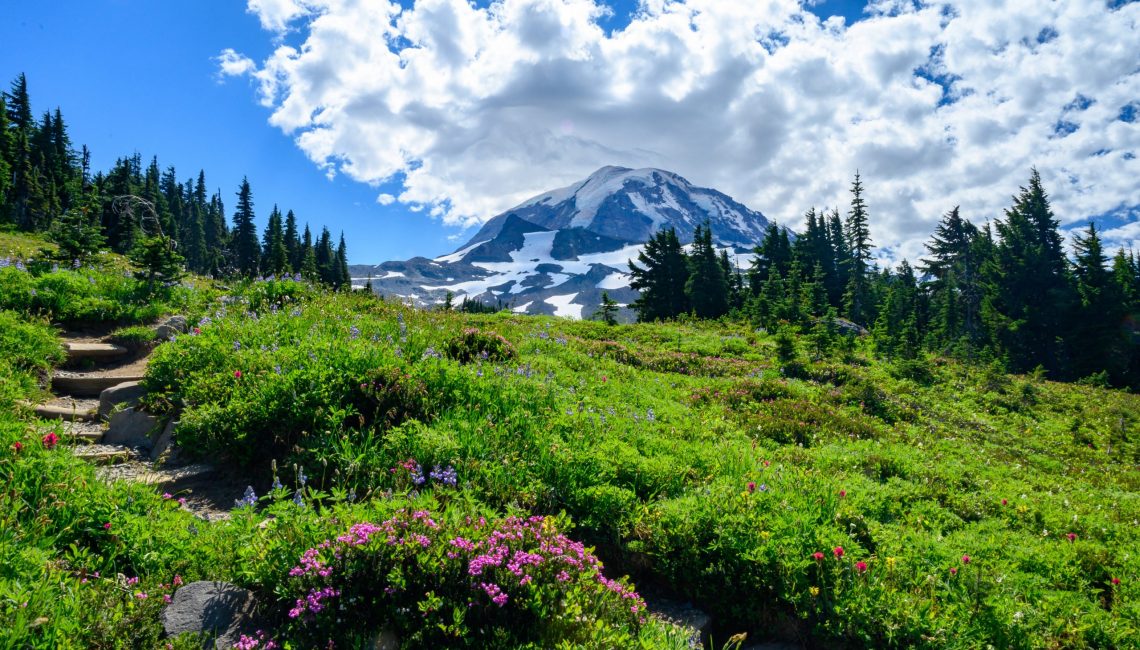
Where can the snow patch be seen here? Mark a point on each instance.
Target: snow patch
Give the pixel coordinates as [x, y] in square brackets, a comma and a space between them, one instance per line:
[614, 281]
[521, 309]
[563, 307]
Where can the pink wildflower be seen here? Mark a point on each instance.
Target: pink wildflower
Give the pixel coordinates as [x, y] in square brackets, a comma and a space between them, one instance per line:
[817, 556]
[237, 374]
[17, 446]
[751, 486]
[965, 559]
[861, 566]
[51, 440]
[838, 551]
[107, 526]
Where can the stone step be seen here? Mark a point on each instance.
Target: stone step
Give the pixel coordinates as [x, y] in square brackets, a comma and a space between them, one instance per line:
[63, 412]
[103, 454]
[77, 351]
[87, 385]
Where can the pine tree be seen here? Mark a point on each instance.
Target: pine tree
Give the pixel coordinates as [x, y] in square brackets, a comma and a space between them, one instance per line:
[77, 232]
[774, 252]
[661, 278]
[327, 267]
[247, 253]
[856, 298]
[840, 258]
[707, 287]
[5, 157]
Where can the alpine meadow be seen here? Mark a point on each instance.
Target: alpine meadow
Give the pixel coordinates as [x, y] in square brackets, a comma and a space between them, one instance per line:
[588, 401]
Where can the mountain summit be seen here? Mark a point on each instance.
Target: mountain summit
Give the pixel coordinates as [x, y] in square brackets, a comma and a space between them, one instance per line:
[556, 252]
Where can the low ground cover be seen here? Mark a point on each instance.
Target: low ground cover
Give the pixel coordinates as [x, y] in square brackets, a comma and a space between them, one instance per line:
[858, 502]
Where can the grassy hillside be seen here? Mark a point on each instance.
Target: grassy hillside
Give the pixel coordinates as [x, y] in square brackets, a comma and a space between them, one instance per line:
[845, 500]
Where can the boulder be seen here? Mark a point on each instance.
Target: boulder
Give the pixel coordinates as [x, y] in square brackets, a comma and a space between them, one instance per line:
[693, 622]
[222, 610]
[131, 427]
[128, 393]
[164, 441]
[171, 327]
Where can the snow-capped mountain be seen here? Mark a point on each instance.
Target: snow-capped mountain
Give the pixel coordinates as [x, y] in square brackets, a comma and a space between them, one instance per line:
[557, 252]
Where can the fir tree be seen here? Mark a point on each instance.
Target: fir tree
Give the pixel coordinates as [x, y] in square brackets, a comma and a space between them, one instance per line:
[1099, 312]
[247, 253]
[343, 278]
[608, 310]
[275, 257]
[955, 266]
[707, 287]
[1027, 292]
[293, 242]
[661, 278]
[856, 298]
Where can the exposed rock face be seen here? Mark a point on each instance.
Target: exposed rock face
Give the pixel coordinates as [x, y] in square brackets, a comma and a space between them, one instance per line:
[557, 252]
[131, 427]
[220, 609]
[171, 327]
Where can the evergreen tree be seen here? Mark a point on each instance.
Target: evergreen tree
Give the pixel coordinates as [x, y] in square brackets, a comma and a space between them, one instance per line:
[608, 310]
[856, 298]
[661, 278]
[1027, 291]
[707, 287]
[293, 242]
[343, 279]
[247, 253]
[275, 257]
[77, 232]
[840, 258]
[327, 267]
[955, 266]
[5, 157]
[1099, 312]
[774, 252]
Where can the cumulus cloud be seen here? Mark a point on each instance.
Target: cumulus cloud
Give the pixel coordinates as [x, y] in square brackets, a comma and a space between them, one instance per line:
[474, 109]
[230, 63]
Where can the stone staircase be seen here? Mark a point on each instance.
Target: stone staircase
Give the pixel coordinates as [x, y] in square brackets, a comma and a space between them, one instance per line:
[94, 404]
[79, 401]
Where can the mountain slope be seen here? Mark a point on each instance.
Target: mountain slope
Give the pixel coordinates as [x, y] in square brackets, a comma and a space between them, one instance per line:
[557, 252]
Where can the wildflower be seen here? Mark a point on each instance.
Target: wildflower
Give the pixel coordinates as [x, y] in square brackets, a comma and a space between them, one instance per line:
[838, 551]
[817, 556]
[842, 493]
[197, 331]
[167, 495]
[237, 374]
[276, 483]
[141, 595]
[181, 501]
[1004, 502]
[17, 446]
[446, 476]
[237, 346]
[650, 416]
[965, 559]
[953, 571]
[751, 486]
[354, 332]
[166, 598]
[861, 566]
[133, 581]
[247, 499]
[177, 582]
[1115, 581]
[299, 499]
[107, 526]
[301, 478]
[1072, 537]
[891, 562]
[763, 487]
[51, 440]
[814, 591]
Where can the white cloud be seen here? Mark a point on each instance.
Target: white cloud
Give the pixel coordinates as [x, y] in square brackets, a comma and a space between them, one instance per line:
[230, 63]
[480, 108]
[385, 199]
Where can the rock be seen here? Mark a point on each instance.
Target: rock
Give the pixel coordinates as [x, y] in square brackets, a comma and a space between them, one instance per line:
[847, 327]
[685, 616]
[131, 427]
[128, 392]
[171, 327]
[164, 441]
[385, 640]
[220, 609]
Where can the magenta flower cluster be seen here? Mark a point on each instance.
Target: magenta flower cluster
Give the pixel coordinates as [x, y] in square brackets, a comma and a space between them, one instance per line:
[503, 561]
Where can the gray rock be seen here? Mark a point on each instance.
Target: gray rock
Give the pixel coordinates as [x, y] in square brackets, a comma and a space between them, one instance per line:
[694, 622]
[385, 640]
[219, 609]
[164, 441]
[131, 427]
[171, 327]
[128, 393]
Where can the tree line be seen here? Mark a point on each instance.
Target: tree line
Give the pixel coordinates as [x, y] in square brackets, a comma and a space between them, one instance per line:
[47, 186]
[1005, 292]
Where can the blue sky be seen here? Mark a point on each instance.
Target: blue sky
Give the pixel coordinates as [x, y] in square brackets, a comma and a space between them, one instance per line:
[930, 103]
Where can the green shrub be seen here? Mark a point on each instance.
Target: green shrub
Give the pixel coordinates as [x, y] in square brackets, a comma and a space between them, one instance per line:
[475, 345]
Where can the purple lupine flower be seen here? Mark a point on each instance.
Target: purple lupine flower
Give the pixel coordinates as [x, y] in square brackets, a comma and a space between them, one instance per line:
[248, 499]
